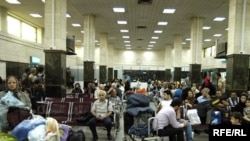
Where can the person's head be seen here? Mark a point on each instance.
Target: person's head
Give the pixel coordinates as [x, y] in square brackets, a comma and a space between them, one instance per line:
[190, 94]
[218, 93]
[27, 70]
[218, 75]
[243, 97]
[77, 85]
[102, 95]
[113, 93]
[205, 92]
[33, 71]
[248, 102]
[236, 118]
[101, 86]
[233, 95]
[12, 83]
[176, 103]
[167, 95]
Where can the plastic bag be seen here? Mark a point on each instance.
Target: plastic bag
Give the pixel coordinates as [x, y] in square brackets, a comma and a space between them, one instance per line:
[37, 133]
[10, 100]
[193, 117]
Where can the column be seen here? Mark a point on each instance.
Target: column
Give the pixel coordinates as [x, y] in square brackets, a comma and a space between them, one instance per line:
[177, 57]
[103, 57]
[3, 20]
[111, 73]
[237, 77]
[168, 62]
[89, 48]
[55, 48]
[196, 49]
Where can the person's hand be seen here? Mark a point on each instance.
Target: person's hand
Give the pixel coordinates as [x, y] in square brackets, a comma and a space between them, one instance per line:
[185, 123]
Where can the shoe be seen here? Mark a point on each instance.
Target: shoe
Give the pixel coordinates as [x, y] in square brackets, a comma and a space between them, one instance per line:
[109, 137]
[206, 131]
[95, 138]
[196, 131]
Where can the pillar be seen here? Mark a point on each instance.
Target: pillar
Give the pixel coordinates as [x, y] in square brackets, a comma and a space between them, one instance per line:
[177, 57]
[3, 20]
[102, 74]
[196, 49]
[103, 57]
[168, 75]
[177, 74]
[110, 74]
[55, 48]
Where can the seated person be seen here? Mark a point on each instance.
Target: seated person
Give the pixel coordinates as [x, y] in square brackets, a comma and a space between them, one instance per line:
[246, 112]
[77, 88]
[167, 124]
[101, 111]
[166, 101]
[236, 118]
[116, 104]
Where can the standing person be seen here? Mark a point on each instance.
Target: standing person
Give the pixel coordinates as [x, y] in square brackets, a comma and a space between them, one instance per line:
[167, 124]
[77, 88]
[12, 87]
[221, 82]
[101, 110]
[25, 78]
[127, 81]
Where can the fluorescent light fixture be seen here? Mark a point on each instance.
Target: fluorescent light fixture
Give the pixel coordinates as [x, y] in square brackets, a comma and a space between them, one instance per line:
[126, 41]
[207, 40]
[96, 41]
[183, 43]
[68, 15]
[152, 42]
[119, 9]
[13, 1]
[188, 39]
[217, 35]
[76, 25]
[127, 45]
[154, 37]
[82, 31]
[43, 1]
[162, 23]
[149, 48]
[124, 30]
[121, 22]
[219, 18]
[168, 11]
[128, 48]
[125, 37]
[226, 28]
[206, 27]
[150, 45]
[158, 31]
[98, 44]
[36, 15]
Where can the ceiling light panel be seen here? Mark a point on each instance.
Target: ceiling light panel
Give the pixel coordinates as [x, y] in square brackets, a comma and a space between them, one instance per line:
[217, 35]
[206, 27]
[219, 19]
[168, 11]
[119, 10]
[76, 25]
[158, 31]
[13, 1]
[35, 15]
[124, 30]
[121, 22]
[162, 23]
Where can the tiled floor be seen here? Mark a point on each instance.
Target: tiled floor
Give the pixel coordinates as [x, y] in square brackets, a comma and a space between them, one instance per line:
[120, 135]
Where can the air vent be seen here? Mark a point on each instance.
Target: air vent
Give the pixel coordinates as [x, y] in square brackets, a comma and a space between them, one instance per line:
[145, 1]
[141, 27]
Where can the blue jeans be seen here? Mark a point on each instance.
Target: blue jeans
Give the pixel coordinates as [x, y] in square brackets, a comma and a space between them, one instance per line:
[188, 131]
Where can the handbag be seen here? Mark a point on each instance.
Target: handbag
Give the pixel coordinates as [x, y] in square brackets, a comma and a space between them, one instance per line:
[193, 116]
[16, 114]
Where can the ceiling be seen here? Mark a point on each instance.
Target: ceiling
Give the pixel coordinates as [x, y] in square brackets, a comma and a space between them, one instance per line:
[136, 15]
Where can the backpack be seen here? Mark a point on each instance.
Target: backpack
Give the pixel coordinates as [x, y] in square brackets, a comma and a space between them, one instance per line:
[76, 135]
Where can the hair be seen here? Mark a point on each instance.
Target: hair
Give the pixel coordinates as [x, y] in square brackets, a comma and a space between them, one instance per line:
[176, 102]
[17, 83]
[218, 74]
[102, 91]
[52, 125]
[206, 90]
[243, 94]
[237, 115]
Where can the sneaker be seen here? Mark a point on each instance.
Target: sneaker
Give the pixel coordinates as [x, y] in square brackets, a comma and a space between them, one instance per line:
[109, 137]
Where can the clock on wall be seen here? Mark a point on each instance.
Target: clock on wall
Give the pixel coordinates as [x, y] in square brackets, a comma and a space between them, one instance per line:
[138, 61]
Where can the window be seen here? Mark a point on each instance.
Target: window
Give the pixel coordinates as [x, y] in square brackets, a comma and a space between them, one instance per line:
[23, 30]
[210, 51]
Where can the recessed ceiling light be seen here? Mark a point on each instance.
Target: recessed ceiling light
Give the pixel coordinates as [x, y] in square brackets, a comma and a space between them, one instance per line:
[219, 18]
[82, 31]
[149, 48]
[119, 9]
[121, 22]
[206, 27]
[124, 30]
[188, 39]
[183, 43]
[76, 25]
[96, 41]
[68, 15]
[13, 1]
[150, 45]
[98, 44]
[226, 29]
[162, 23]
[207, 40]
[36, 15]
[155, 37]
[158, 31]
[217, 35]
[126, 41]
[43, 1]
[127, 45]
[152, 42]
[168, 11]
[125, 37]
[128, 48]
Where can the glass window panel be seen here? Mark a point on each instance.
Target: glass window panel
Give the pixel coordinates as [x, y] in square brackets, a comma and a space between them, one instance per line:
[28, 32]
[13, 26]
